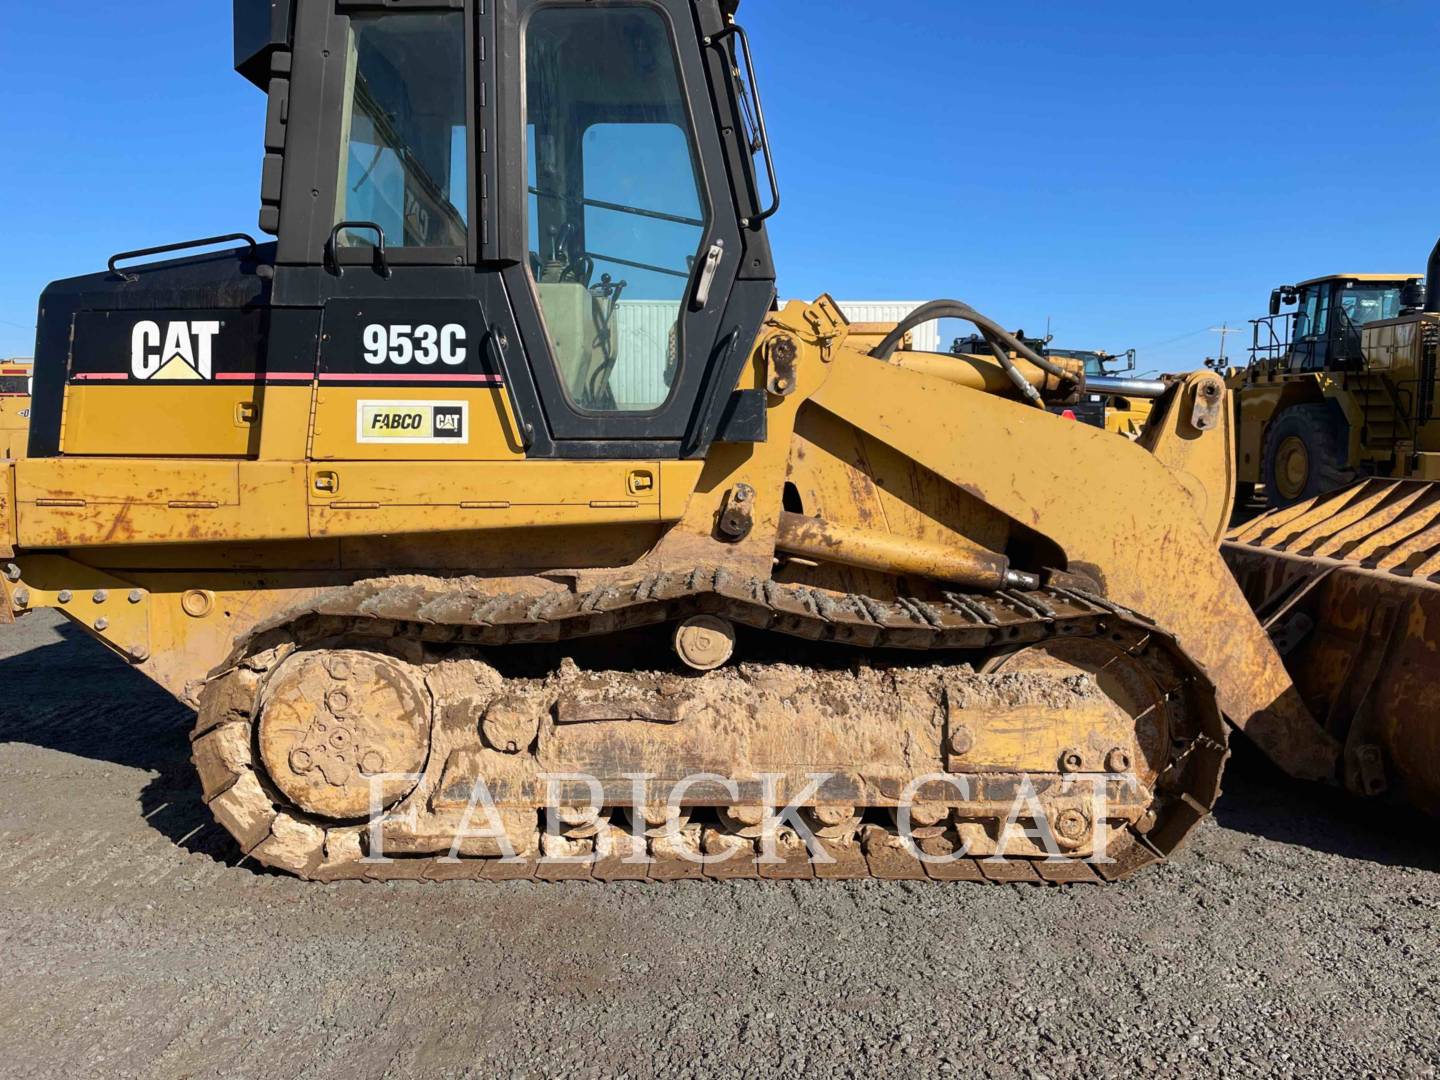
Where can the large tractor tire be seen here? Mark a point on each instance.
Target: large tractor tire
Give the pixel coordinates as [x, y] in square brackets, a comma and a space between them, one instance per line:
[1305, 455]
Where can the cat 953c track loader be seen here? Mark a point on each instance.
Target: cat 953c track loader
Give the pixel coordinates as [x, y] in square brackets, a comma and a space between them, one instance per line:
[496, 524]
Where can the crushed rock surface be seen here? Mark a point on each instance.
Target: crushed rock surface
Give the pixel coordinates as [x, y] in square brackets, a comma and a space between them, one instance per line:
[1297, 935]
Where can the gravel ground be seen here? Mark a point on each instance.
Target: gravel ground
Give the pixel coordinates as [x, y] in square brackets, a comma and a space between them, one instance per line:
[1297, 935]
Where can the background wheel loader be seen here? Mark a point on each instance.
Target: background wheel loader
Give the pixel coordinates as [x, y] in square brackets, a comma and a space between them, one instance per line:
[1341, 387]
[14, 407]
[1347, 581]
[463, 581]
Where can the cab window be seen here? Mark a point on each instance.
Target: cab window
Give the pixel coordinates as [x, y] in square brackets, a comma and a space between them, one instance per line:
[1366, 303]
[405, 154]
[1306, 314]
[1321, 324]
[616, 211]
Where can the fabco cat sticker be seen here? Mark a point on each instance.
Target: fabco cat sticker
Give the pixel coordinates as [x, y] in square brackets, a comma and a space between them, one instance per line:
[412, 422]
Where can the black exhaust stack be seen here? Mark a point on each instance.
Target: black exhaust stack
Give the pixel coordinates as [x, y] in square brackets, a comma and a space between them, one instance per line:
[261, 27]
[1432, 281]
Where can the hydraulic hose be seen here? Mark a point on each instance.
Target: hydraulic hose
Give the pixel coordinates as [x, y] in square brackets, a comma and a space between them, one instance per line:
[1002, 343]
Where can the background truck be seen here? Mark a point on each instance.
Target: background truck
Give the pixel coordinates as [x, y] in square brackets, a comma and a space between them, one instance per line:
[1117, 411]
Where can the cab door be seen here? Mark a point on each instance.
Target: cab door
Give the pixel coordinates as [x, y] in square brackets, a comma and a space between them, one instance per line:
[1311, 349]
[621, 219]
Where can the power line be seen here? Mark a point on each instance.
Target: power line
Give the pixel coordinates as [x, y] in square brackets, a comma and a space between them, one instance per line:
[1173, 340]
[1192, 334]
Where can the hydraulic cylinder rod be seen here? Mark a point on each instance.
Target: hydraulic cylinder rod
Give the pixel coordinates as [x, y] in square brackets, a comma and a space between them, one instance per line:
[823, 541]
[1132, 388]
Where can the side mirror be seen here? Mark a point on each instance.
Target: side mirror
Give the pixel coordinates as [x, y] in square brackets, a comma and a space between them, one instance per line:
[1275, 301]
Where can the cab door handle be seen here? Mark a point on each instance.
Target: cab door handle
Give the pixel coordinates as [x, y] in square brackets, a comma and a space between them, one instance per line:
[713, 258]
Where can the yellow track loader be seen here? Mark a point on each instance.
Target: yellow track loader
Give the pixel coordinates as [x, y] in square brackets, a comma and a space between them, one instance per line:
[496, 524]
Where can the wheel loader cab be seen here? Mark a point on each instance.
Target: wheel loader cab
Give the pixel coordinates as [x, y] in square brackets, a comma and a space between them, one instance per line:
[1323, 332]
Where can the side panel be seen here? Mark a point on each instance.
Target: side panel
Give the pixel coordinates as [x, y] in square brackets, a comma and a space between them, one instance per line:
[206, 421]
[354, 423]
[78, 502]
[73, 503]
[410, 379]
[14, 426]
[168, 382]
[356, 499]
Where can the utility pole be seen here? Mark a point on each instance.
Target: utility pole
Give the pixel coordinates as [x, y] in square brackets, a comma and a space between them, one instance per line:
[1224, 330]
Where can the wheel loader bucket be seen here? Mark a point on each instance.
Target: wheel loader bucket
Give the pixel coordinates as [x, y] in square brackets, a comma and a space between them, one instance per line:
[1348, 585]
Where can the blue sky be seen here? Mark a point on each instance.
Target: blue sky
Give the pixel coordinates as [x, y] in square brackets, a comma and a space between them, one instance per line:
[1135, 172]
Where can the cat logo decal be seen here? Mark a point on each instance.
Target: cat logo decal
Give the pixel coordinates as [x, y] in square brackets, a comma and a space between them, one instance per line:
[174, 352]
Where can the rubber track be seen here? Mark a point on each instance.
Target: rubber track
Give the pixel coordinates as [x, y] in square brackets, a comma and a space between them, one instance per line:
[434, 614]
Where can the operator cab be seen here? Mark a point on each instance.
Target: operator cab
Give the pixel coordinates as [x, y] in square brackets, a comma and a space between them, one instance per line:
[1099, 364]
[529, 229]
[1323, 332]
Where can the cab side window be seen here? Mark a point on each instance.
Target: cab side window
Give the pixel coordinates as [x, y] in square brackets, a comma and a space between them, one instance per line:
[1305, 315]
[405, 153]
[1321, 323]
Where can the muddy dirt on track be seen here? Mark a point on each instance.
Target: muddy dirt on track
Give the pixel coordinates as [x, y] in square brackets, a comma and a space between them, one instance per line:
[1296, 935]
